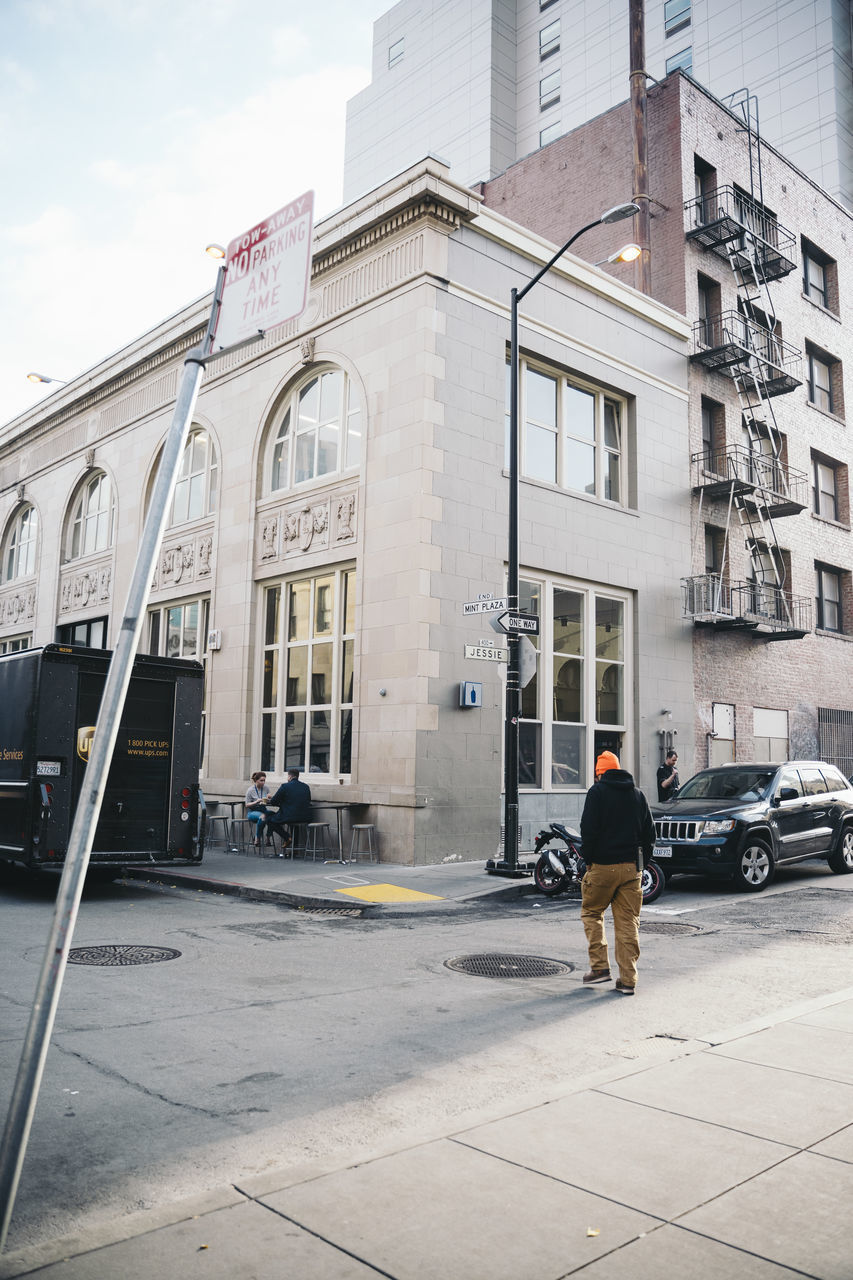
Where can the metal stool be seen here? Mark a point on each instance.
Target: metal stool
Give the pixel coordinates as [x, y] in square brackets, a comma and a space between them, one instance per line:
[318, 840]
[242, 834]
[360, 832]
[212, 819]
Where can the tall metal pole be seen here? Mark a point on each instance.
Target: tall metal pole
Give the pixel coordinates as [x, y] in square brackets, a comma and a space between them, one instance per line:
[34, 1053]
[643, 266]
[509, 864]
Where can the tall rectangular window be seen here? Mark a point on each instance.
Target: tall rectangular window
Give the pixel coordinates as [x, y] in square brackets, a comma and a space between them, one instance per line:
[824, 489]
[820, 277]
[676, 16]
[396, 51]
[770, 734]
[549, 90]
[828, 598]
[819, 367]
[307, 687]
[579, 691]
[571, 434]
[549, 39]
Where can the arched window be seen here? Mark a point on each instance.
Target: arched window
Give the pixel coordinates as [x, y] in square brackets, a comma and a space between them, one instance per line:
[92, 517]
[19, 546]
[319, 431]
[196, 488]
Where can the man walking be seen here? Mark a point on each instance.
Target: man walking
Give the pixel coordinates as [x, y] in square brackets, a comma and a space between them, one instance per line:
[618, 837]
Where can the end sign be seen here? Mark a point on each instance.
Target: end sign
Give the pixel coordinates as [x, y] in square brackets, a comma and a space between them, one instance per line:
[268, 270]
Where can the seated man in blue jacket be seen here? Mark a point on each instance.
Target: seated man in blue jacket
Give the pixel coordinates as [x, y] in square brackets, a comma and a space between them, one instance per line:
[293, 801]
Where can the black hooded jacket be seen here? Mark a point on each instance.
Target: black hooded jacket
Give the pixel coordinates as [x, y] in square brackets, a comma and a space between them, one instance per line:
[616, 820]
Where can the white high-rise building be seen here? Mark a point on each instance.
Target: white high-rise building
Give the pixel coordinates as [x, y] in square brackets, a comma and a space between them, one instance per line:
[482, 83]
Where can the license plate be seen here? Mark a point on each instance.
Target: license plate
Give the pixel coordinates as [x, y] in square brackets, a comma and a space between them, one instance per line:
[662, 851]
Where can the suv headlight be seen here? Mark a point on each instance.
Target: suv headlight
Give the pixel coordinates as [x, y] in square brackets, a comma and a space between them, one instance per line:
[718, 828]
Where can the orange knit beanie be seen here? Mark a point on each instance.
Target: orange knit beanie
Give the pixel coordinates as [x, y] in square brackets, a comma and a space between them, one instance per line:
[607, 760]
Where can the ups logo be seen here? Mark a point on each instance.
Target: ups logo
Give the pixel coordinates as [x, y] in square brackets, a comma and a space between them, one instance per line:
[85, 738]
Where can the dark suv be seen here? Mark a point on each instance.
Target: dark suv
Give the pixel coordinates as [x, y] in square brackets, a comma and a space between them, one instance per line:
[741, 821]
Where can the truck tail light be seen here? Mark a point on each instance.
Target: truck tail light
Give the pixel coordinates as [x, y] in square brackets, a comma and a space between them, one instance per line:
[46, 791]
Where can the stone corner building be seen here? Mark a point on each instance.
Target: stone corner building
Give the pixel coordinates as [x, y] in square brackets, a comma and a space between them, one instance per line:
[343, 494]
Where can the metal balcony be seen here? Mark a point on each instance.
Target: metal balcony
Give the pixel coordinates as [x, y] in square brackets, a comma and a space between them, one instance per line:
[732, 344]
[738, 471]
[733, 226]
[767, 612]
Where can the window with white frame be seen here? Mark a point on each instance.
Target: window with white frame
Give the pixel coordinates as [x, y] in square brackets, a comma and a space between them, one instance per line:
[571, 434]
[820, 276]
[179, 630]
[309, 655]
[19, 545]
[198, 479]
[550, 133]
[318, 431]
[819, 379]
[579, 690]
[92, 521]
[828, 598]
[770, 734]
[14, 644]
[824, 488]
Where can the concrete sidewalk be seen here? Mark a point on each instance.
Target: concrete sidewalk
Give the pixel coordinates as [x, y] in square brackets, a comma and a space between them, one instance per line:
[325, 885]
[731, 1159]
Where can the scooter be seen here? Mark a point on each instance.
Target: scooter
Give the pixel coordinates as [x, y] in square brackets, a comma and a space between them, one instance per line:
[560, 867]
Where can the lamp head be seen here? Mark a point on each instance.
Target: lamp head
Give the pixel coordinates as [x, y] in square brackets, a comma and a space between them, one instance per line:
[42, 377]
[620, 211]
[628, 253]
[214, 251]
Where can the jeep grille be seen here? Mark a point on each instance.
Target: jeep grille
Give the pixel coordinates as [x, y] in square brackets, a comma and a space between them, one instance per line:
[668, 829]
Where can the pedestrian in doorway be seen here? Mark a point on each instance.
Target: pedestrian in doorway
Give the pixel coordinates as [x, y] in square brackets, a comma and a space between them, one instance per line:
[618, 837]
[668, 781]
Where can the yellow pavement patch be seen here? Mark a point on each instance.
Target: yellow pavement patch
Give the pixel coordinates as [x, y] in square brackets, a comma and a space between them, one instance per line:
[389, 893]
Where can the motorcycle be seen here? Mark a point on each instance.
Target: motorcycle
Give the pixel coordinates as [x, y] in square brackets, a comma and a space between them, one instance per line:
[560, 867]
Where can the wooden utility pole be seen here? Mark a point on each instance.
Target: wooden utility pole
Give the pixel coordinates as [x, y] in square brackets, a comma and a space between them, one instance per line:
[642, 268]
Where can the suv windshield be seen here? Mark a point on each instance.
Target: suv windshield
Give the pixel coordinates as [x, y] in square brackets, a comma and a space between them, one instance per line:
[744, 785]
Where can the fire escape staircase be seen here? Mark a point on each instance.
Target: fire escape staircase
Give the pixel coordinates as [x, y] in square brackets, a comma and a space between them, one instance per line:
[745, 345]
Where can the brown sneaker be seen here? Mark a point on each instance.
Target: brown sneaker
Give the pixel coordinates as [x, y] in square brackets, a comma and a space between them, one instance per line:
[624, 989]
[596, 975]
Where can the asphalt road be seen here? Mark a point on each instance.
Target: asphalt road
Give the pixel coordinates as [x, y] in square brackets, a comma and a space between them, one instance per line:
[284, 1039]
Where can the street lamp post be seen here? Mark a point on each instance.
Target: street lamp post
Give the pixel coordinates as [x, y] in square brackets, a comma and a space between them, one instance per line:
[509, 865]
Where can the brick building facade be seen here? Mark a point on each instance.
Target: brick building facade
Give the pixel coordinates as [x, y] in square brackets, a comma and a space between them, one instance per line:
[718, 197]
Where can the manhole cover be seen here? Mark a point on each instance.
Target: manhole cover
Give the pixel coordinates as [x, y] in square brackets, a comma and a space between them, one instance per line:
[497, 966]
[668, 928]
[121, 953]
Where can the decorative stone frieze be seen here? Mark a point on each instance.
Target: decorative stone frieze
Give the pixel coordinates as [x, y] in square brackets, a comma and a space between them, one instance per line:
[17, 605]
[82, 588]
[185, 560]
[313, 524]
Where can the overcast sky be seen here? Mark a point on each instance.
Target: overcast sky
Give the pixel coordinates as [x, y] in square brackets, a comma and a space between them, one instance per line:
[134, 132]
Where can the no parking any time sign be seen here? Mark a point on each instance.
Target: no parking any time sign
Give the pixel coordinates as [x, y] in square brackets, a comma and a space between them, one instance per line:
[268, 272]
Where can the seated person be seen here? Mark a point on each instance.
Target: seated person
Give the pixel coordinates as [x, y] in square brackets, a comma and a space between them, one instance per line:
[256, 796]
[293, 800]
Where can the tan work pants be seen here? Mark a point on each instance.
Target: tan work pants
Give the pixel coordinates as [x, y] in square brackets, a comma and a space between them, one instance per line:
[616, 887]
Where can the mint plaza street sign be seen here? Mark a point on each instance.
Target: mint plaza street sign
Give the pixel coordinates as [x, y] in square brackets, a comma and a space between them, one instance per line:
[268, 269]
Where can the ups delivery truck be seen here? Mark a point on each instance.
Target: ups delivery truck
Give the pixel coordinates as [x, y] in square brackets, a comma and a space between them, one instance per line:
[152, 811]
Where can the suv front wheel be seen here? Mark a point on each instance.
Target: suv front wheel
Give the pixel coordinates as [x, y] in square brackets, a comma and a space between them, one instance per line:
[841, 862]
[755, 867]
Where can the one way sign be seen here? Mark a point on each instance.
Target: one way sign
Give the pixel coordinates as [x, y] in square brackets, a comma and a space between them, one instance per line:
[513, 623]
